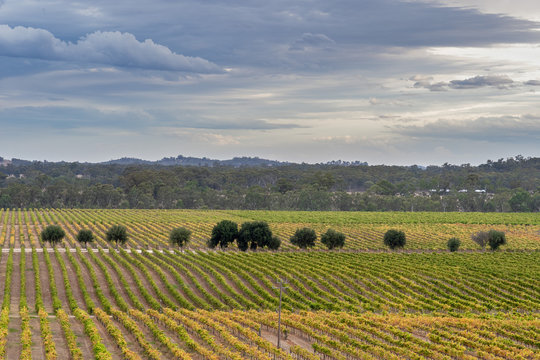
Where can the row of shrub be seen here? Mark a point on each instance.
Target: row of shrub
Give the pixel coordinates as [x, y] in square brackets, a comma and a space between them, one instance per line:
[257, 234]
[396, 239]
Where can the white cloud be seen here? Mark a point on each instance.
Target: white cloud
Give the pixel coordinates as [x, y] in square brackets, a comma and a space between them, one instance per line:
[347, 139]
[111, 48]
[219, 139]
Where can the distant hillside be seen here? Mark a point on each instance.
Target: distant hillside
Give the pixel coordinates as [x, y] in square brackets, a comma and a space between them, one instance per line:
[237, 162]
[194, 161]
[511, 184]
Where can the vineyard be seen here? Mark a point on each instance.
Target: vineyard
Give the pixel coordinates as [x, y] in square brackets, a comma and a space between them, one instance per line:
[148, 300]
[364, 231]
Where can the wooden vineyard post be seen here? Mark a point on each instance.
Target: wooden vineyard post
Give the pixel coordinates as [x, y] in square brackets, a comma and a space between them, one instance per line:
[281, 288]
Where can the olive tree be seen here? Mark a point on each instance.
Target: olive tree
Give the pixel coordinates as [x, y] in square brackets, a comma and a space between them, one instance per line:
[274, 243]
[304, 238]
[453, 244]
[333, 239]
[84, 236]
[53, 234]
[254, 234]
[179, 236]
[223, 233]
[394, 239]
[496, 239]
[118, 234]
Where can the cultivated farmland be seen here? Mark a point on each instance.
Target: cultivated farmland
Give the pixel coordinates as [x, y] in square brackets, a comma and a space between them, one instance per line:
[148, 300]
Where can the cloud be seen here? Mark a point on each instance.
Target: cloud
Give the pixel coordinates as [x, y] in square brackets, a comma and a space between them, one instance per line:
[111, 48]
[524, 128]
[240, 125]
[219, 139]
[75, 118]
[499, 81]
[309, 40]
[532, 82]
[224, 124]
[426, 82]
[347, 139]
[70, 118]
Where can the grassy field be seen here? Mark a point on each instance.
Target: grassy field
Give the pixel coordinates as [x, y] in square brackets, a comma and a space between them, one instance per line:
[149, 301]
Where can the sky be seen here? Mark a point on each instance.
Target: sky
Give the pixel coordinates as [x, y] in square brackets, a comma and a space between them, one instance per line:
[384, 81]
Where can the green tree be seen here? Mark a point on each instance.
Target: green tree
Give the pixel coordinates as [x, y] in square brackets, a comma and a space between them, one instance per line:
[284, 185]
[223, 233]
[453, 244]
[179, 236]
[520, 201]
[254, 234]
[333, 239]
[118, 234]
[274, 243]
[304, 238]
[496, 239]
[53, 234]
[385, 188]
[84, 236]
[394, 239]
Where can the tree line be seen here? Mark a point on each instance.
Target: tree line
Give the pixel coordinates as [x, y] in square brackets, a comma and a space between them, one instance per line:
[255, 235]
[497, 186]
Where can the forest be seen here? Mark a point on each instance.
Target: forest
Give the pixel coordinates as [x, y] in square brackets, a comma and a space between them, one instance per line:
[505, 185]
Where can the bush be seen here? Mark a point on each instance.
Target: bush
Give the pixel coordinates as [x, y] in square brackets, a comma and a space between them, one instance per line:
[254, 234]
[224, 233]
[453, 244]
[496, 239]
[84, 236]
[118, 234]
[179, 236]
[274, 243]
[394, 239]
[333, 239]
[53, 234]
[304, 238]
[481, 238]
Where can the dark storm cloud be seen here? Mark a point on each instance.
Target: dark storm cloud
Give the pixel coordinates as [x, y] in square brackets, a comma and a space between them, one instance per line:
[524, 129]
